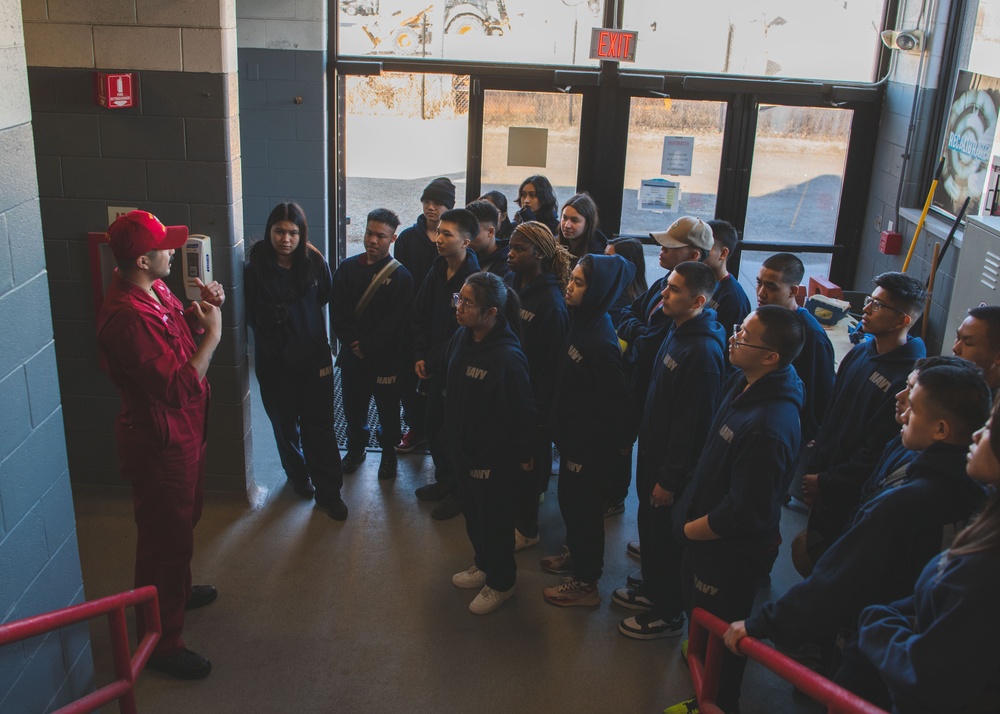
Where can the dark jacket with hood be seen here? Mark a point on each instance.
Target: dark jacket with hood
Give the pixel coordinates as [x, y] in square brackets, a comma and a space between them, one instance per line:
[860, 422]
[416, 251]
[751, 445]
[434, 315]
[683, 393]
[598, 242]
[489, 416]
[550, 219]
[496, 262]
[815, 368]
[643, 326]
[730, 303]
[878, 559]
[544, 324]
[591, 409]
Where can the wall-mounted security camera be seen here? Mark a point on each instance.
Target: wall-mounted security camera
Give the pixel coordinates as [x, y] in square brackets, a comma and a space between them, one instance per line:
[906, 40]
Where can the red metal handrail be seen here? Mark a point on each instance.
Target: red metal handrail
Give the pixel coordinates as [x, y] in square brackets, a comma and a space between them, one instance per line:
[127, 666]
[704, 656]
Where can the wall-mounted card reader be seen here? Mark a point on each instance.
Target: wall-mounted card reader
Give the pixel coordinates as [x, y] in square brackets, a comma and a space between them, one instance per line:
[197, 263]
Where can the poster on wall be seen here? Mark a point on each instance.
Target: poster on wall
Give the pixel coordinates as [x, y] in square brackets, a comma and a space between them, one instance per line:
[972, 128]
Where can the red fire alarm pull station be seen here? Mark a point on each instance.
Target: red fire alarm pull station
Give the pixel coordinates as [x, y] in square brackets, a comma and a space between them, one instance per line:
[114, 91]
[890, 243]
[610, 44]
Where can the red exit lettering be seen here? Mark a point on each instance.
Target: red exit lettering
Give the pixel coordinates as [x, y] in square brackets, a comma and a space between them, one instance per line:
[613, 44]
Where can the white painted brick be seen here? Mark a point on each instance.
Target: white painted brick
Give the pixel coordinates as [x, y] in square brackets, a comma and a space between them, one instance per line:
[266, 9]
[209, 50]
[51, 44]
[155, 48]
[34, 10]
[310, 10]
[295, 35]
[250, 33]
[186, 13]
[15, 107]
[11, 32]
[112, 12]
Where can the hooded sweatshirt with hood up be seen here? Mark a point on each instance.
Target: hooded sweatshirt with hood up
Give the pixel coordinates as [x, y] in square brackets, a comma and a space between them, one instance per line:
[591, 408]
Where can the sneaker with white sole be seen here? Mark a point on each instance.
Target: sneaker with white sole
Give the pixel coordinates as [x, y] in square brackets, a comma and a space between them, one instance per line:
[632, 598]
[573, 592]
[633, 551]
[469, 579]
[489, 600]
[522, 541]
[650, 626]
[559, 564]
[634, 578]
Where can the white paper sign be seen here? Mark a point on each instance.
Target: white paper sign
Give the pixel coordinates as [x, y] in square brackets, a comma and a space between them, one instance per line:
[678, 152]
[659, 195]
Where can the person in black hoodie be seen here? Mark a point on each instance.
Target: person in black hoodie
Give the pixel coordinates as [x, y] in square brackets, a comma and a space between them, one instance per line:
[488, 424]
[728, 515]
[683, 394]
[491, 254]
[537, 201]
[878, 559]
[590, 423]
[369, 313]
[504, 227]
[730, 301]
[433, 325]
[287, 284]
[539, 273]
[860, 420]
[578, 231]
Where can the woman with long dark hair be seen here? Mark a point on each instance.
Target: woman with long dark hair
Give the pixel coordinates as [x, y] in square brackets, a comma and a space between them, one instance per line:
[287, 284]
[578, 227]
[505, 227]
[488, 423]
[537, 201]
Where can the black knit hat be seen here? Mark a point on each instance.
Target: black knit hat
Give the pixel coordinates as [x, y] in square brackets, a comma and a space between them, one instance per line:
[441, 190]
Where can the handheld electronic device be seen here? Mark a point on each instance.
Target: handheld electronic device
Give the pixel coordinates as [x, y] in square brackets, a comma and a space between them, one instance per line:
[197, 263]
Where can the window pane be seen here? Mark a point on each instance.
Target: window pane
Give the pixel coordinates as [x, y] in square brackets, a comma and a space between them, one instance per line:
[984, 54]
[402, 131]
[557, 114]
[798, 172]
[497, 30]
[816, 264]
[650, 121]
[816, 39]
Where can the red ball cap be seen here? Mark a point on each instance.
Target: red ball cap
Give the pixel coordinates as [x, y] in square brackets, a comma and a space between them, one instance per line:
[138, 232]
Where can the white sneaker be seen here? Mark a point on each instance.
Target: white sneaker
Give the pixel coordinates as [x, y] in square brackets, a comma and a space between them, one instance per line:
[489, 600]
[469, 579]
[522, 541]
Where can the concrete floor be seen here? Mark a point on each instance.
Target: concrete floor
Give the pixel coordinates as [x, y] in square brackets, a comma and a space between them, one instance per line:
[361, 616]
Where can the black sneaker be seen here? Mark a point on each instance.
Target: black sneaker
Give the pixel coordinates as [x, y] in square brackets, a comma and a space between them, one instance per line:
[303, 487]
[182, 665]
[335, 507]
[634, 579]
[352, 461]
[387, 467]
[201, 595]
[632, 598]
[432, 491]
[634, 551]
[448, 508]
[650, 626]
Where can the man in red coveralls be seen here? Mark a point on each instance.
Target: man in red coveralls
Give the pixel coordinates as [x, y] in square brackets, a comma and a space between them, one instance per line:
[148, 350]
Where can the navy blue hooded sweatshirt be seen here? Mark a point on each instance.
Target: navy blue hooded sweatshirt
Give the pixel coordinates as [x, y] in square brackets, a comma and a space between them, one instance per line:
[544, 325]
[496, 262]
[878, 559]
[683, 394]
[751, 445]
[890, 468]
[730, 303]
[815, 368]
[591, 409]
[861, 420]
[643, 326]
[489, 416]
[434, 315]
[416, 251]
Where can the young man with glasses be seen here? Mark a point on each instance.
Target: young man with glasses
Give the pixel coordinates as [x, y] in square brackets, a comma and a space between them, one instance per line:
[861, 419]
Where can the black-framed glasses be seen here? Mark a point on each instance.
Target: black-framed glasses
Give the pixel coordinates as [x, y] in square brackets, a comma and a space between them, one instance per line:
[737, 329]
[877, 305]
[459, 302]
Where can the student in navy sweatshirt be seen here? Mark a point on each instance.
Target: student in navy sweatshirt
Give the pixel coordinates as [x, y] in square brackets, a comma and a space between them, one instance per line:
[433, 325]
[537, 202]
[728, 516]
[878, 559]
[578, 231]
[935, 650]
[370, 323]
[860, 420]
[590, 423]
[730, 300]
[491, 254]
[539, 273]
[488, 423]
[683, 394]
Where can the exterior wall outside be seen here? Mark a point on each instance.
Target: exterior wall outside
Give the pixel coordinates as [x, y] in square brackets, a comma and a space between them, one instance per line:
[177, 154]
[39, 558]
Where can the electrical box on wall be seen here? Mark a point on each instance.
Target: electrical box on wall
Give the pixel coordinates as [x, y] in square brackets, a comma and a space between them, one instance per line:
[890, 243]
[114, 91]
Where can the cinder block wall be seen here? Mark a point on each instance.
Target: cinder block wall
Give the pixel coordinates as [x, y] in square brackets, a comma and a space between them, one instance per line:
[176, 153]
[39, 559]
[282, 59]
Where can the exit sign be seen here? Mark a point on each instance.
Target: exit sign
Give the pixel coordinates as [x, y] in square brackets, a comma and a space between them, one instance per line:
[615, 45]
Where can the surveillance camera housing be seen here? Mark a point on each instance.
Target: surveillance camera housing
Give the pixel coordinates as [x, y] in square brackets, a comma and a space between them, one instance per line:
[906, 40]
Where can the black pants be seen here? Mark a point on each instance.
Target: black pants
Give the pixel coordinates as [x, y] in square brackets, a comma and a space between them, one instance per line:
[360, 379]
[414, 402]
[300, 408]
[531, 484]
[619, 478]
[661, 553]
[582, 485]
[488, 505]
[724, 582]
[434, 423]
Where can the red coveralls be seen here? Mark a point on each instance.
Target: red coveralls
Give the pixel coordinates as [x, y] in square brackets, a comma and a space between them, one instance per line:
[161, 429]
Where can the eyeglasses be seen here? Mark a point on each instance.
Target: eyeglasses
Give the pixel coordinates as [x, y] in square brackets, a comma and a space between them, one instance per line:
[877, 305]
[737, 330]
[460, 303]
